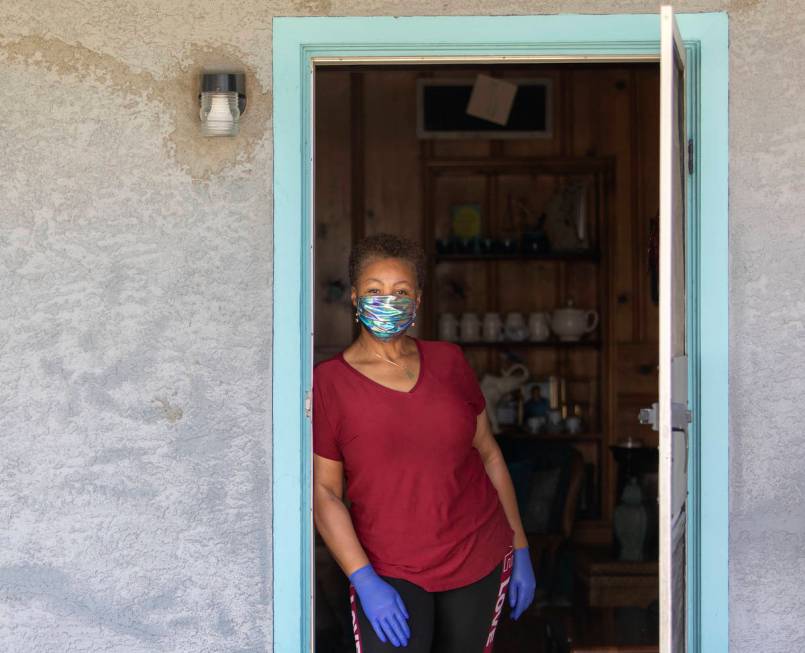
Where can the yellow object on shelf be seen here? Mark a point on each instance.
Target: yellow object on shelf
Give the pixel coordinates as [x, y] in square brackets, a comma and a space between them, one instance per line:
[466, 220]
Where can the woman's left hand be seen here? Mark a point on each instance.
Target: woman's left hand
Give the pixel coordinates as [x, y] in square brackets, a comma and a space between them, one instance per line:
[522, 584]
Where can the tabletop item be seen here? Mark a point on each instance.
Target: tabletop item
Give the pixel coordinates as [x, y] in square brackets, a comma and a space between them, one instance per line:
[506, 412]
[538, 329]
[570, 323]
[555, 421]
[573, 424]
[631, 522]
[493, 327]
[495, 387]
[534, 424]
[448, 327]
[470, 327]
[515, 327]
[537, 404]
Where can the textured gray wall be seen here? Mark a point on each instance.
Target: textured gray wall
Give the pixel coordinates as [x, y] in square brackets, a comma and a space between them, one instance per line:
[135, 322]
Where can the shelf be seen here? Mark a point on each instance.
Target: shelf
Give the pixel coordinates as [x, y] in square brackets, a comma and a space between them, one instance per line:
[523, 165]
[546, 344]
[586, 256]
[517, 432]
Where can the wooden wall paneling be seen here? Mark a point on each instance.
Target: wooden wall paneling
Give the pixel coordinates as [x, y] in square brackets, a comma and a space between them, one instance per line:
[635, 197]
[607, 202]
[460, 287]
[426, 323]
[392, 183]
[333, 206]
[584, 108]
[460, 147]
[648, 121]
[613, 135]
[539, 147]
[526, 286]
[357, 163]
[566, 101]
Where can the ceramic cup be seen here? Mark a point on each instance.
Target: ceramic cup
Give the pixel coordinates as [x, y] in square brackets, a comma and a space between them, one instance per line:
[535, 424]
[554, 421]
[470, 326]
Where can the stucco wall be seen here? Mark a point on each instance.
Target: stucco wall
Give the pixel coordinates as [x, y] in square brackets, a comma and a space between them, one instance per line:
[135, 322]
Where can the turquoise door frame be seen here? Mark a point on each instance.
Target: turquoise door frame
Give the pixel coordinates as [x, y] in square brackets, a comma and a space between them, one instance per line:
[297, 45]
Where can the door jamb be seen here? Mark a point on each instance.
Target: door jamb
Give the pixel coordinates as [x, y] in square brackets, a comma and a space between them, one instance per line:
[298, 43]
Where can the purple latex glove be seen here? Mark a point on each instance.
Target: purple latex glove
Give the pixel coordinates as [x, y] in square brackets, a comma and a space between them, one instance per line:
[382, 605]
[522, 584]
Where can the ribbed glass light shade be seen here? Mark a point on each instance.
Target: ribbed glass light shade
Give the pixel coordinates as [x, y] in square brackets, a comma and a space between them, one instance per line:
[219, 114]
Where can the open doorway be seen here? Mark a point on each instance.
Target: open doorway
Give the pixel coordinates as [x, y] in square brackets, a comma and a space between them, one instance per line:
[516, 226]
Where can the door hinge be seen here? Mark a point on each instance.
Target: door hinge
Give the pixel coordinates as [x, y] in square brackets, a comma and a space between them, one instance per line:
[691, 151]
[681, 416]
[308, 405]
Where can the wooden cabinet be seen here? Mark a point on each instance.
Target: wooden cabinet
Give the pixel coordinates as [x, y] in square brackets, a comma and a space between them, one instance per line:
[508, 267]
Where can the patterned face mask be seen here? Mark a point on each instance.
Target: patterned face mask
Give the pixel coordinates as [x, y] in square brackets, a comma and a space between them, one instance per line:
[386, 315]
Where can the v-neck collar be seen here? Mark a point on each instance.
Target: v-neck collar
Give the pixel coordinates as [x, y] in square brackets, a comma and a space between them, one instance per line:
[385, 387]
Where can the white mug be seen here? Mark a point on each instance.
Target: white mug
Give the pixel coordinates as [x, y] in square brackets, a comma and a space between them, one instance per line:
[493, 327]
[470, 327]
[534, 424]
[538, 329]
[448, 327]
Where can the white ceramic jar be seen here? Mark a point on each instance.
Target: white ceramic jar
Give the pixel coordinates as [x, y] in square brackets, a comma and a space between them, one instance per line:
[493, 327]
[448, 327]
[538, 329]
[470, 327]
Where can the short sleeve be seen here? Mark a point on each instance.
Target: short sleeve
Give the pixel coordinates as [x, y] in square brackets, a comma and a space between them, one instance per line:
[465, 377]
[324, 435]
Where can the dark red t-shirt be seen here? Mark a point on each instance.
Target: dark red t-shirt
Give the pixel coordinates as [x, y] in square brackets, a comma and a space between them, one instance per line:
[423, 506]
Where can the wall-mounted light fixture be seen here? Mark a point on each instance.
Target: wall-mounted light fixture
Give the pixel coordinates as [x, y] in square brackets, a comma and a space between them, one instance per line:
[222, 100]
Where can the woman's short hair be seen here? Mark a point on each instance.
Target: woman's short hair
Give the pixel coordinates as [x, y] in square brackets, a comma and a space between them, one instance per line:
[384, 245]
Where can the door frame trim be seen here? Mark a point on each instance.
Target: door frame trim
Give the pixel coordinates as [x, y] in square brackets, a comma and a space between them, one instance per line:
[297, 45]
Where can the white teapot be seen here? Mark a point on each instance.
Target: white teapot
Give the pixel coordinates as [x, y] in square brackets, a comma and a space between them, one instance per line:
[570, 323]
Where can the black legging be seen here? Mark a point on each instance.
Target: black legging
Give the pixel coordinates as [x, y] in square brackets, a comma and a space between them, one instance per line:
[462, 620]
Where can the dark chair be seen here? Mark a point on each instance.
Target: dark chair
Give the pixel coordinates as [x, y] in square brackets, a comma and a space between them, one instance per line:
[547, 478]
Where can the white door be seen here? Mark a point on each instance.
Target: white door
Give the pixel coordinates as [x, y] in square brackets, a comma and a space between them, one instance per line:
[673, 415]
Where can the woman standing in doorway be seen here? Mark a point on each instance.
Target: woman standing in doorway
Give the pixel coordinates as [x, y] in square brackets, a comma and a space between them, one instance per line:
[432, 541]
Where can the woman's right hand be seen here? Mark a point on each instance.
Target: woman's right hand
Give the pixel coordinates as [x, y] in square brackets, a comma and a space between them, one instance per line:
[382, 605]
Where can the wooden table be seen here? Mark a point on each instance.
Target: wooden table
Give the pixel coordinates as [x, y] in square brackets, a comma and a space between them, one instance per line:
[602, 582]
[605, 590]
